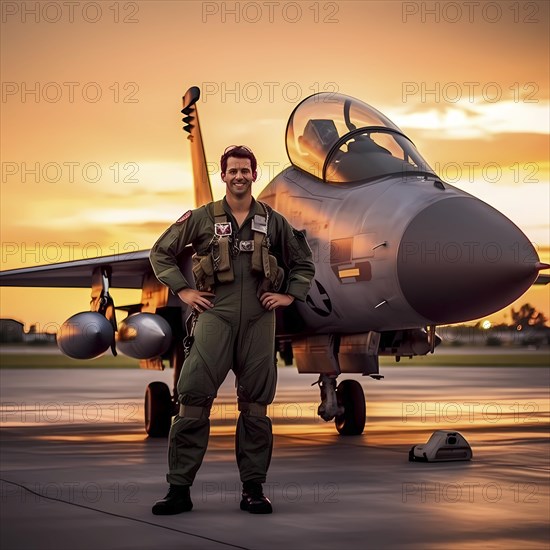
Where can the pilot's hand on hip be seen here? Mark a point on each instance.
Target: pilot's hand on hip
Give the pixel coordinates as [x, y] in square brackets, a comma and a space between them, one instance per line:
[272, 300]
[196, 299]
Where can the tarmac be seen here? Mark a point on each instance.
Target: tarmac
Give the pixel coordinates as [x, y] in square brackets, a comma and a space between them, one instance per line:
[79, 472]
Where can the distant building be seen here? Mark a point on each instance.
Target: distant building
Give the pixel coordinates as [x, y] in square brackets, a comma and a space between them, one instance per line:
[10, 331]
[34, 336]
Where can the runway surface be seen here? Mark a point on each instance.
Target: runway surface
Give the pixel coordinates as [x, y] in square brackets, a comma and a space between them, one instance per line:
[78, 471]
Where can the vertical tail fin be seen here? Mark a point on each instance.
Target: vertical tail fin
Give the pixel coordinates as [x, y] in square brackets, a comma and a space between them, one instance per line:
[201, 179]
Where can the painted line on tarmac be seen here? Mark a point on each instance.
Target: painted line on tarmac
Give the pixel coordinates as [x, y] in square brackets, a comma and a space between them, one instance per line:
[123, 516]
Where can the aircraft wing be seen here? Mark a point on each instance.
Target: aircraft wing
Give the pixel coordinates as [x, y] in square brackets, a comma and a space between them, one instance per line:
[127, 271]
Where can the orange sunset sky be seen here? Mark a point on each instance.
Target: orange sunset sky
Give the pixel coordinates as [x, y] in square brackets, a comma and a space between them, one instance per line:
[94, 161]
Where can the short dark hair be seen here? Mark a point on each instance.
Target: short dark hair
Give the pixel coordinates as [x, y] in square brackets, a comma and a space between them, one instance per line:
[238, 151]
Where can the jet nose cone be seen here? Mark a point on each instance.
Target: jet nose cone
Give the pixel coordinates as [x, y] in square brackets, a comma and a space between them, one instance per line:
[460, 259]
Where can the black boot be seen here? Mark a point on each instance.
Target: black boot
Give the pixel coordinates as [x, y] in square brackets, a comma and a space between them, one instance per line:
[177, 500]
[254, 500]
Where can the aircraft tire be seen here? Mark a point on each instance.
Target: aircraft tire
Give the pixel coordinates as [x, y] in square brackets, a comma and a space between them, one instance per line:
[351, 396]
[158, 409]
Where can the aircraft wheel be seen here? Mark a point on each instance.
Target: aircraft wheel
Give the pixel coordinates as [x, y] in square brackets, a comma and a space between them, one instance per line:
[350, 395]
[158, 409]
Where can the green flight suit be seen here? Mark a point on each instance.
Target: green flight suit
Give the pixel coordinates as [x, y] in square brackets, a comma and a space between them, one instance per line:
[237, 333]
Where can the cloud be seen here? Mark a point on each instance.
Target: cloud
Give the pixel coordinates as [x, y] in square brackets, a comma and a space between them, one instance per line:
[467, 120]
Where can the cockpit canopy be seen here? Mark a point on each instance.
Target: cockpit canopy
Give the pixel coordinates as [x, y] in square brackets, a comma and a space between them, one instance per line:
[339, 139]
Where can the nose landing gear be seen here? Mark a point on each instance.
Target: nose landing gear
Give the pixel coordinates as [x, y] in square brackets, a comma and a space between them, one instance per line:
[345, 403]
[351, 397]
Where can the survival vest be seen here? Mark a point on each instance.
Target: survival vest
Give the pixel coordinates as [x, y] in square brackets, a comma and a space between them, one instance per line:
[216, 265]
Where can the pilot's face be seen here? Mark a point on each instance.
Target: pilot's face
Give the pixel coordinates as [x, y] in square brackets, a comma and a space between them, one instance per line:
[238, 177]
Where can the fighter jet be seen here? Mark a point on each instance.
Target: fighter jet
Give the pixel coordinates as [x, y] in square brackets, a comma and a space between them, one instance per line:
[397, 252]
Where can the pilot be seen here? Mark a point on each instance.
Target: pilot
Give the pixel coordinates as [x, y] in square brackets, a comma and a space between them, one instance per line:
[248, 262]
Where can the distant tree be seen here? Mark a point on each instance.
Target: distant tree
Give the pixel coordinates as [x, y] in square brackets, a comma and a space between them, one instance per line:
[528, 316]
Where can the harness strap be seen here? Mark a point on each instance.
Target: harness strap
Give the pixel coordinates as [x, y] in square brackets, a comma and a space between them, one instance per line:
[190, 411]
[260, 260]
[220, 247]
[219, 212]
[253, 409]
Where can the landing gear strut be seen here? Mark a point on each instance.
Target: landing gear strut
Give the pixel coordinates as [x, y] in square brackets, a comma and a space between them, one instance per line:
[345, 403]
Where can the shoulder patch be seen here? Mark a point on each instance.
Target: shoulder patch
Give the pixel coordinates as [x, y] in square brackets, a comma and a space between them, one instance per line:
[184, 217]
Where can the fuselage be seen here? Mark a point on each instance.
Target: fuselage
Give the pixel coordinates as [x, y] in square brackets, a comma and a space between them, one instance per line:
[401, 252]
